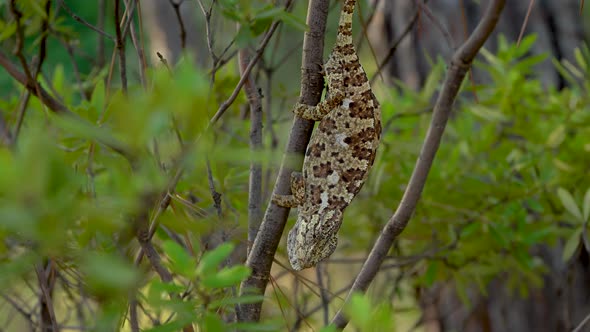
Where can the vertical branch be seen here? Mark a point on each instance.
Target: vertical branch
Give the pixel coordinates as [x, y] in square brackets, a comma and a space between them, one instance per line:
[136, 43]
[176, 7]
[255, 182]
[46, 277]
[459, 66]
[267, 240]
[31, 77]
[100, 50]
[120, 46]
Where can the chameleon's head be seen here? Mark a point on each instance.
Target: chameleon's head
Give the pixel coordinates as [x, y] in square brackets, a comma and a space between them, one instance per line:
[313, 238]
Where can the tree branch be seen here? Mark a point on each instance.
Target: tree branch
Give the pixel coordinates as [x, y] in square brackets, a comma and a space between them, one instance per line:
[56, 106]
[460, 65]
[267, 240]
[255, 181]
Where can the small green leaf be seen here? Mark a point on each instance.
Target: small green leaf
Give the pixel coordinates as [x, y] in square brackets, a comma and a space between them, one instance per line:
[212, 323]
[556, 137]
[181, 262]
[586, 205]
[359, 311]
[430, 274]
[244, 299]
[98, 99]
[293, 21]
[226, 277]
[569, 203]
[213, 258]
[329, 328]
[245, 36]
[487, 113]
[108, 273]
[571, 245]
[269, 12]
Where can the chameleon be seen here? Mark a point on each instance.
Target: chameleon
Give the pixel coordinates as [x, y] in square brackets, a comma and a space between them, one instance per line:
[340, 153]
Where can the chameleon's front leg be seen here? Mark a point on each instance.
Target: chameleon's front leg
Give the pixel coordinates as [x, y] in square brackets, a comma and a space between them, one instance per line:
[335, 98]
[297, 193]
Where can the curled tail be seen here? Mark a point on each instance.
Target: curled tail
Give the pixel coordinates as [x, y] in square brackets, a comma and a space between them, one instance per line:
[344, 36]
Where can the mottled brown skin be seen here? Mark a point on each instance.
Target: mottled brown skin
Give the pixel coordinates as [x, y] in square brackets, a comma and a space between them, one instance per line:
[340, 153]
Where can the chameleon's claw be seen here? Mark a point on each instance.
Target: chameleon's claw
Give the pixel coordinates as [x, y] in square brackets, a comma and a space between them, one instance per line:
[322, 70]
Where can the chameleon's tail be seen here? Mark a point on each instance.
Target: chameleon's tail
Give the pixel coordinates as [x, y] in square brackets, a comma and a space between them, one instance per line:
[345, 24]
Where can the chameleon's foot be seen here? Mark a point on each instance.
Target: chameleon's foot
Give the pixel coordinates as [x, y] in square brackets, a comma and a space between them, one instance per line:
[288, 201]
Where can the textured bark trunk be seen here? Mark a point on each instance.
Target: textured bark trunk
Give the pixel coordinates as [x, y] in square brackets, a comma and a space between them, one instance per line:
[564, 300]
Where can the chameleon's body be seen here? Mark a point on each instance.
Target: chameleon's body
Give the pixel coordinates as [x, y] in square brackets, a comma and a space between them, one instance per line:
[340, 153]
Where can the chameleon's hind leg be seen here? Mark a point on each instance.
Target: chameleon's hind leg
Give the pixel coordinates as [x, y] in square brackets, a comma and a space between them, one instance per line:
[297, 192]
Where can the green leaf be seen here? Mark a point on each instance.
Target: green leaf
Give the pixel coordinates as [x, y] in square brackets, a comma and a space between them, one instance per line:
[269, 12]
[181, 262]
[359, 311]
[487, 113]
[245, 36]
[586, 205]
[430, 275]
[293, 21]
[109, 274]
[256, 327]
[226, 277]
[571, 245]
[329, 328]
[97, 100]
[172, 326]
[244, 299]
[556, 137]
[569, 203]
[213, 258]
[212, 323]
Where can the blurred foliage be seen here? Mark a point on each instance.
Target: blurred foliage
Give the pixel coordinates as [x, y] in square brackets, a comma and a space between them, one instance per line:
[511, 175]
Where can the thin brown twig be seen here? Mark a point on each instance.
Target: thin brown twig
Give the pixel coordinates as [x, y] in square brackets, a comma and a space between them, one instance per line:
[97, 29]
[459, 66]
[255, 179]
[120, 47]
[226, 104]
[137, 44]
[526, 20]
[395, 45]
[48, 321]
[176, 6]
[436, 22]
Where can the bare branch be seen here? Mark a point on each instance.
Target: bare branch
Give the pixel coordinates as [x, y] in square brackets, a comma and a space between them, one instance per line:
[120, 46]
[98, 29]
[226, 104]
[255, 182]
[460, 65]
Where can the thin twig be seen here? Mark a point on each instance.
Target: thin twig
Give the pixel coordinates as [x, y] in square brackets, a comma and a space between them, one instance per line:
[255, 180]
[226, 104]
[526, 20]
[98, 29]
[176, 6]
[436, 22]
[395, 45]
[137, 44]
[120, 47]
